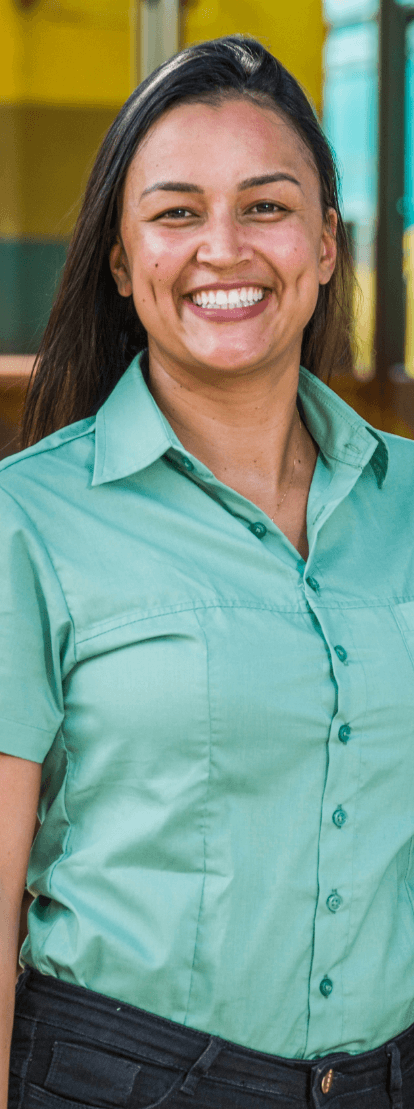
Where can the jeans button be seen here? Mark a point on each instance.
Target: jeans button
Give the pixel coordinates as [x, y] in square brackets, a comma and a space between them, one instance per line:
[326, 1084]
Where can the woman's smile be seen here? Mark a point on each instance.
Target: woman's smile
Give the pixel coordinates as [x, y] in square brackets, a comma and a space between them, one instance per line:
[223, 304]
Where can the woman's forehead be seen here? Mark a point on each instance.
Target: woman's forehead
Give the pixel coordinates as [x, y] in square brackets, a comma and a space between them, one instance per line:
[197, 138]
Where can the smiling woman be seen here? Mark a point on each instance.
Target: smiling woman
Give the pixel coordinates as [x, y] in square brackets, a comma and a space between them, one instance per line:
[241, 249]
[207, 637]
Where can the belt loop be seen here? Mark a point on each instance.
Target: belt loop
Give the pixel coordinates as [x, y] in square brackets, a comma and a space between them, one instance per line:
[201, 1065]
[394, 1076]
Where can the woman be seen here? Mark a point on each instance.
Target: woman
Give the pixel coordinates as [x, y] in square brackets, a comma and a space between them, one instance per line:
[207, 636]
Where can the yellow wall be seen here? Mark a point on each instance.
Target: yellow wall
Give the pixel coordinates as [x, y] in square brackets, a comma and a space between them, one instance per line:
[409, 299]
[79, 51]
[294, 31]
[50, 151]
[65, 52]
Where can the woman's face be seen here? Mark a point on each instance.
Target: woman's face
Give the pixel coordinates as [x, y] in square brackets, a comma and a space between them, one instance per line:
[222, 243]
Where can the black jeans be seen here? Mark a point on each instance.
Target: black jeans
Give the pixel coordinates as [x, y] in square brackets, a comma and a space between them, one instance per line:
[74, 1049]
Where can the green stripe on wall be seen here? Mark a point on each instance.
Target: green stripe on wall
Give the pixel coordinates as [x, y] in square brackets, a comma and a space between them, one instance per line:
[30, 270]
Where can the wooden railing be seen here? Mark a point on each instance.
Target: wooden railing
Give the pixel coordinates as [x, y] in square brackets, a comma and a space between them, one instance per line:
[15, 370]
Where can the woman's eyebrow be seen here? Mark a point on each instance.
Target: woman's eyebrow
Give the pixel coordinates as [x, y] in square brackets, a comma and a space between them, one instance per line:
[172, 187]
[266, 179]
[249, 183]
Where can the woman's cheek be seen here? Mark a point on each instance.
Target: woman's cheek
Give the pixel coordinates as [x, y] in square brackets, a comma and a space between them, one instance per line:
[292, 249]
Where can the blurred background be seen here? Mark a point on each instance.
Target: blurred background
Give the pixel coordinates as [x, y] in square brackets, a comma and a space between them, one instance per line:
[66, 66]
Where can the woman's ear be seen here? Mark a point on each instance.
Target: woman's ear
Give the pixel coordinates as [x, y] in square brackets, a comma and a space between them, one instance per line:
[118, 264]
[327, 258]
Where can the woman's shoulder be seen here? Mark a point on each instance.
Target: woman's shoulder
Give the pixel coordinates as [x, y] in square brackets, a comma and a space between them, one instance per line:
[47, 455]
[400, 450]
[398, 485]
[400, 443]
[37, 483]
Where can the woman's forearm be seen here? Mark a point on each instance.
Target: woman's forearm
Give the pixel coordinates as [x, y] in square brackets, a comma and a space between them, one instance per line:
[19, 792]
[8, 957]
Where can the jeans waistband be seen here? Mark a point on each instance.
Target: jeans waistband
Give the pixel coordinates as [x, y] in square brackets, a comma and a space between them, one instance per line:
[141, 1034]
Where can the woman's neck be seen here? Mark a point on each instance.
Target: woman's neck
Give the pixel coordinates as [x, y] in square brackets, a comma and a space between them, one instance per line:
[243, 429]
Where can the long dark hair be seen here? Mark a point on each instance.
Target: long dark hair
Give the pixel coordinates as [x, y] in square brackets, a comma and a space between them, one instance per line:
[93, 332]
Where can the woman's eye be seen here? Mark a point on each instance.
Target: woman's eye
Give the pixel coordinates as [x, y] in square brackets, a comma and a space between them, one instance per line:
[267, 207]
[175, 213]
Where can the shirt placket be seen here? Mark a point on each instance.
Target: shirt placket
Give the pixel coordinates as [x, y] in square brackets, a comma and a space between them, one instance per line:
[336, 878]
[337, 841]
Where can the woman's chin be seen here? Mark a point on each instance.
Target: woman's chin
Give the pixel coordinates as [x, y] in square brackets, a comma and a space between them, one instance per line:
[228, 362]
[226, 354]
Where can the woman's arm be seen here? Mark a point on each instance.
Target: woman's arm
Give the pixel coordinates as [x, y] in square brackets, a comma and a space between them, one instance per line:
[19, 793]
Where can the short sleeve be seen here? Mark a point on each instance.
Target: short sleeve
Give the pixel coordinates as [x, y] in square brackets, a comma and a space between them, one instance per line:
[35, 630]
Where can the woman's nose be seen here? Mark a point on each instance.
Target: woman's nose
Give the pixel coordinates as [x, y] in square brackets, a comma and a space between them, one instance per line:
[223, 244]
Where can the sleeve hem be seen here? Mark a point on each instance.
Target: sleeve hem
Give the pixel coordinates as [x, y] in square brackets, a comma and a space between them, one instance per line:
[24, 741]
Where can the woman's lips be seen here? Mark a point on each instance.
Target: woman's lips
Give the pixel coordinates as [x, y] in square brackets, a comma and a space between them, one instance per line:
[226, 315]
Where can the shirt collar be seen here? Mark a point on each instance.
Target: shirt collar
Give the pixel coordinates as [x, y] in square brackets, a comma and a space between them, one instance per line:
[341, 434]
[131, 432]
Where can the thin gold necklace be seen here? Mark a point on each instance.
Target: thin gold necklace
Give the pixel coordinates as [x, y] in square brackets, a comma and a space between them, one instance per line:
[291, 476]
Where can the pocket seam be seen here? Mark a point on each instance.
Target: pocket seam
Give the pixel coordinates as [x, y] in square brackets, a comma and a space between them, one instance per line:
[403, 631]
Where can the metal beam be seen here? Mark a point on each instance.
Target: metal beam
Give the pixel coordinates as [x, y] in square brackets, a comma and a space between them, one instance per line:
[159, 33]
[390, 300]
[134, 44]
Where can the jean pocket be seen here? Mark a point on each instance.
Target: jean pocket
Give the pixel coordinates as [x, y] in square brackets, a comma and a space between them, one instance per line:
[89, 1075]
[85, 1076]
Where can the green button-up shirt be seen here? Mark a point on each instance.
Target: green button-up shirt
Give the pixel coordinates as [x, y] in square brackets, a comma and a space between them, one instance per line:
[227, 731]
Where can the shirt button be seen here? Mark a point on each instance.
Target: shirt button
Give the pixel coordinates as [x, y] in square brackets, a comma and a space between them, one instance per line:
[258, 529]
[326, 986]
[344, 733]
[334, 901]
[188, 465]
[340, 817]
[313, 584]
[341, 652]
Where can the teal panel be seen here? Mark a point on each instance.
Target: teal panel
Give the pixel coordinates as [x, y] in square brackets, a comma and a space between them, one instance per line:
[339, 12]
[351, 115]
[29, 274]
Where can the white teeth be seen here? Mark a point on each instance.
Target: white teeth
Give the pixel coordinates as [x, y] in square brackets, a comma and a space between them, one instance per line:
[234, 298]
[221, 298]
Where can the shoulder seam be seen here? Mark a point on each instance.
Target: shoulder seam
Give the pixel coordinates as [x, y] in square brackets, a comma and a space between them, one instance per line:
[16, 458]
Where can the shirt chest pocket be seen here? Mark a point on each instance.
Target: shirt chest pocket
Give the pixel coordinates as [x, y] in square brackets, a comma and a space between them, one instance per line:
[136, 704]
[376, 697]
[390, 684]
[404, 616]
[383, 638]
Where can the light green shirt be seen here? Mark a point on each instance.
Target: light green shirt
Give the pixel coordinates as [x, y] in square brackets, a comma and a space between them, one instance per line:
[228, 732]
